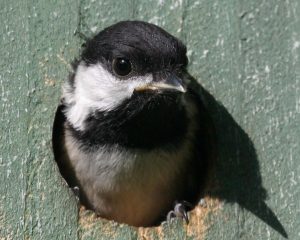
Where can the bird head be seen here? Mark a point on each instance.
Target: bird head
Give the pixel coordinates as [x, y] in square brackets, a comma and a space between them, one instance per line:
[133, 63]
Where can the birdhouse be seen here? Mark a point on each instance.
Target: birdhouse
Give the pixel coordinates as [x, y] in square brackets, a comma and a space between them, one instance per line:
[245, 58]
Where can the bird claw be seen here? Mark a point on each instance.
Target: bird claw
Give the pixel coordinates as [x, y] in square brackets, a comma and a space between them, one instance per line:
[76, 192]
[180, 211]
[202, 203]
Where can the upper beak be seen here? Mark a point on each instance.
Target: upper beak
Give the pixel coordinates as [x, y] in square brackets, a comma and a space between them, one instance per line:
[172, 83]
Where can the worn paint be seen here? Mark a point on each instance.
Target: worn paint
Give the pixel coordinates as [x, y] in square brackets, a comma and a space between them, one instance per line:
[245, 53]
[90, 225]
[33, 194]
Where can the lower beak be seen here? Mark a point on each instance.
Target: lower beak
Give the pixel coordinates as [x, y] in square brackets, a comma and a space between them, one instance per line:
[172, 83]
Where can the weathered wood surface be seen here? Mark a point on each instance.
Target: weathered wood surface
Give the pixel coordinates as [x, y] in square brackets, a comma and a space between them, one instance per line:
[244, 53]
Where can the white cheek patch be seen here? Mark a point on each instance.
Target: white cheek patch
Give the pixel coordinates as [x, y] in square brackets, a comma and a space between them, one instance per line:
[97, 89]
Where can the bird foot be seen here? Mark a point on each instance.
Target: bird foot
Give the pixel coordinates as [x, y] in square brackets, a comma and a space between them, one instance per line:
[180, 211]
[202, 203]
[76, 192]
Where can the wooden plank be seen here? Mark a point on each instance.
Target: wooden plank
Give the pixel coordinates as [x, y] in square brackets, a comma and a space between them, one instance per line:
[245, 53]
[35, 42]
[248, 63]
[13, 106]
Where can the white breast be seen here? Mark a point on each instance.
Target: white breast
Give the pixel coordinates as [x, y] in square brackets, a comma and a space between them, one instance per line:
[122, 184]
[130, 185]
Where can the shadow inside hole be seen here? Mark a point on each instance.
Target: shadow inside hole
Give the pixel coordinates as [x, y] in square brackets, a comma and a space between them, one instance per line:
[237, 171]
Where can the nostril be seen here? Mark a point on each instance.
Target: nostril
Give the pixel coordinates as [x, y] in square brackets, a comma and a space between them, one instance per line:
[161, 76]
[157, 76]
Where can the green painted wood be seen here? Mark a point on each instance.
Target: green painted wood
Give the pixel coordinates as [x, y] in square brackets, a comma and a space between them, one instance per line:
[33, 204]
[244, 53]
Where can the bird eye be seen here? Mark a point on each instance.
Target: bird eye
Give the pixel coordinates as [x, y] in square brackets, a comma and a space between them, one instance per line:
[121, 66]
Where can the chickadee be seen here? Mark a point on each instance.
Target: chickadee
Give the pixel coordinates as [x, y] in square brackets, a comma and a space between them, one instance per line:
[131, 132]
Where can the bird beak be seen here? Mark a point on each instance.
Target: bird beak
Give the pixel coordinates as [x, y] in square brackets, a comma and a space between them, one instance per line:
[172, 83]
